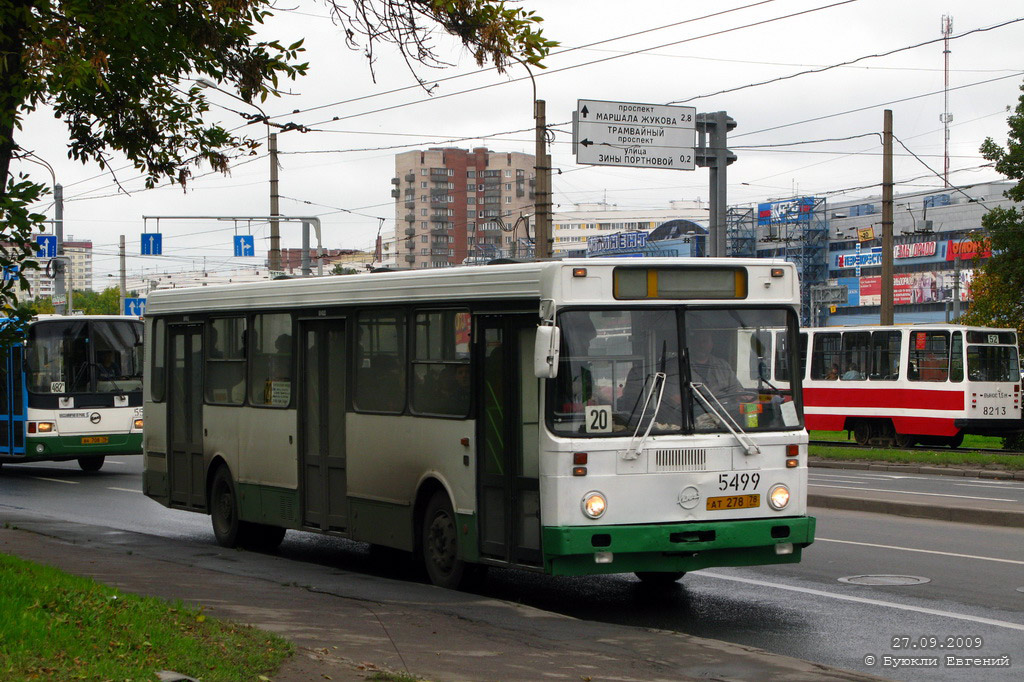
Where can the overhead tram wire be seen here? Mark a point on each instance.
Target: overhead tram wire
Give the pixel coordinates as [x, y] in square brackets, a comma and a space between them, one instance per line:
[937, 174]
[581, 65]
[852, 61]
[463, 75]
[552, 54]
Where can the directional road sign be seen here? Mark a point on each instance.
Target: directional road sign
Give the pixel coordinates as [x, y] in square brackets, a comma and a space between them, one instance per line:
[636, 135]
[136, 307]
[46, 245]
[152, 244]
[245, 245]
[10, 272]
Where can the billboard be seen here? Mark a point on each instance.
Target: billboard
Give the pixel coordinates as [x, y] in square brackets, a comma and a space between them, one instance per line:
[788, 212]
[928, 286]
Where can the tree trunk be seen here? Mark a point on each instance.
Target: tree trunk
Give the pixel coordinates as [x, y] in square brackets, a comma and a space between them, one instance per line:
[14, 21]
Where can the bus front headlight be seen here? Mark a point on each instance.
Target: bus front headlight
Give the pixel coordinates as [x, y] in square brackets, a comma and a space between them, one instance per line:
[594, 504]
[778, 497]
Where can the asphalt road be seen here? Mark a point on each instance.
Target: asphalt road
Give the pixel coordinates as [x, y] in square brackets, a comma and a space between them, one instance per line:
[966, 580]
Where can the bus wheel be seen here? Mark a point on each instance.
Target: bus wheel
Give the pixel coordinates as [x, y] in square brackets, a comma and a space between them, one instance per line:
[227, 527]
[955, 441]
[862, 432]
[440, 544]
[91, 464]
[904, 440]
[659, 579]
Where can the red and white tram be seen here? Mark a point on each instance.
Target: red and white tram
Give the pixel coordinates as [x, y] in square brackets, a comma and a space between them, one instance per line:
[928, 384]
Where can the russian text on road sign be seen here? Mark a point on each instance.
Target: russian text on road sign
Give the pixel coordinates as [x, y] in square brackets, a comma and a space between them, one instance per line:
[636, 135]
[831, 295]
[46, 245]
[136, 307]
[245, 245]
[152, 244]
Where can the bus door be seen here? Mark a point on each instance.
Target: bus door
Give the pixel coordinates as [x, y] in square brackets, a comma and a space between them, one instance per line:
[321, 416]
[12, 402]
[507, 434]
[186, 468]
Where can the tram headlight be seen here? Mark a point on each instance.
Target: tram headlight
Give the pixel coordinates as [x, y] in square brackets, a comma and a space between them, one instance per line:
[778, 497]
[594, 504]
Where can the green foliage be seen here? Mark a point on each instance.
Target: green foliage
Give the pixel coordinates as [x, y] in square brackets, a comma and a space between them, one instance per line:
[998, 290]
[61, 627]
[107, 302]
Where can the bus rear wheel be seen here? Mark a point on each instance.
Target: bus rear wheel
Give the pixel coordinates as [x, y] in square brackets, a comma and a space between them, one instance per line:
[440, 544]
[91, 464]
[227, 527]
[659, 579]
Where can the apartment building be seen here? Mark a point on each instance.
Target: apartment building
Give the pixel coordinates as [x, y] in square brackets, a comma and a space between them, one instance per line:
[455, 204]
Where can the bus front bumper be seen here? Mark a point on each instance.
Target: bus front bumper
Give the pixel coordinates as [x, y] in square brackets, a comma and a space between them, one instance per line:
[673, 547]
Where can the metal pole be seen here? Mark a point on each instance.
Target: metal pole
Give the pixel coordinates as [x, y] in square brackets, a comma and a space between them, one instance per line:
[123, 287]
[58, 229]
[956, 283]
[887, 312]
[274, 256]
[718, 142]
[542, 191]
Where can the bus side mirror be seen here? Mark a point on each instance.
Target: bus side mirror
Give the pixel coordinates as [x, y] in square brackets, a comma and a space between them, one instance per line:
[545, 352]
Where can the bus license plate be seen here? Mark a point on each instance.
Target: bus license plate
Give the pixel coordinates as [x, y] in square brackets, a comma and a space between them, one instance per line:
[733, 502]
[95, 440]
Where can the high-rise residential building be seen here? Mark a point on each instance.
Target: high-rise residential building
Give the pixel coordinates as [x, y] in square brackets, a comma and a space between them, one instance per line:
[79, 273]
[453, 204]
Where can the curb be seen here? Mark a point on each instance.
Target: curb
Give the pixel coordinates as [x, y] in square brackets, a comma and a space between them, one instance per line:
[985, 517]
[993, 474]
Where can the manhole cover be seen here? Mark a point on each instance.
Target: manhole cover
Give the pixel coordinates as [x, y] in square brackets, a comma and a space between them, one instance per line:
[885, 580]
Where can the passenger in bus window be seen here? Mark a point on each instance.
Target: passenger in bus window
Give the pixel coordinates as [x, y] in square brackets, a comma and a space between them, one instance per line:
[107, 368]
[852, 373]
[833, 373]
[709, 369]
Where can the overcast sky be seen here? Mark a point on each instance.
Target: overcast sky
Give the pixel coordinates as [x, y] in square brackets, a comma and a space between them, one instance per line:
[341, 171]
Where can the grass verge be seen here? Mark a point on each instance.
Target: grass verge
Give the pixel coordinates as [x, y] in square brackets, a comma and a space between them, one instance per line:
[931, 457]
[55, 626]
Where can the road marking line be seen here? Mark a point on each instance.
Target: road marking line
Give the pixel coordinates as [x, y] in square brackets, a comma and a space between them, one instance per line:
[54, 480]
[923, 551]
[125, 490]
[866, 600]
[994, 484]
[907, 492]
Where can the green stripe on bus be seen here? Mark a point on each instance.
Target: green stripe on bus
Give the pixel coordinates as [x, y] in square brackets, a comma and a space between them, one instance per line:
[672, 547]
[117, 444]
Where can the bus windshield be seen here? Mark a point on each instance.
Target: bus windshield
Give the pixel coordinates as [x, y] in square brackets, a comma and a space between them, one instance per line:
[84, 356]
[707, 365]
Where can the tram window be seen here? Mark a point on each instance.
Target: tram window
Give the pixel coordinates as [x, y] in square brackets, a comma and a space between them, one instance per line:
[856, 356]
[885, 356]
[271, 369]
[956, 357]
[157, 378]
[440, 363]
[380, 362]
[928, 358]
[1006, 338]
[225, 361]
[992, 363]
[826, 355]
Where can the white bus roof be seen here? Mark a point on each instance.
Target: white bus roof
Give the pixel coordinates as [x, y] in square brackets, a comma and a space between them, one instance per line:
[513, 281]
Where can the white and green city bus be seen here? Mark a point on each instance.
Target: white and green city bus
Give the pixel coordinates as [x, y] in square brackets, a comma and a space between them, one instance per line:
[548, 416]
[72, 390]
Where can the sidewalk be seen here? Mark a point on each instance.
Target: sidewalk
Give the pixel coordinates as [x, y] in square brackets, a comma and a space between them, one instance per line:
[936, 507]
[344, 629]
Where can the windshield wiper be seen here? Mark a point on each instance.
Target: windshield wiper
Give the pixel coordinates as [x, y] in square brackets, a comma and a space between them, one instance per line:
[725, 418]
[657, 385]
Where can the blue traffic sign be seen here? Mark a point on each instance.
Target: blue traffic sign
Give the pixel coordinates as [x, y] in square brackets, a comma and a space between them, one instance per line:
[152, 244]
[10, 272]
[245, 245]
[136, 307]
[46, 245]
